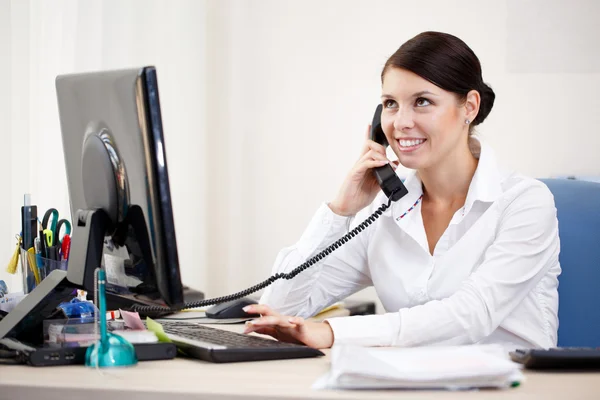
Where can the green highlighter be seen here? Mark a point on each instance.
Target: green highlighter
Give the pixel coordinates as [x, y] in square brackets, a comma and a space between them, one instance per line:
[111, 350]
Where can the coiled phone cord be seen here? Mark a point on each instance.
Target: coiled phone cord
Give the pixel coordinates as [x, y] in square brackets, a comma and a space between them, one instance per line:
[290, 275]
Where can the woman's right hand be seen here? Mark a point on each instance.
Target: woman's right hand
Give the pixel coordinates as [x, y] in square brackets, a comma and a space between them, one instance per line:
[317, 335]
[360, 186]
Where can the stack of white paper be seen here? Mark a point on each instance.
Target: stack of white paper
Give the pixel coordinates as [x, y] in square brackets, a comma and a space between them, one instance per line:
[457, 367]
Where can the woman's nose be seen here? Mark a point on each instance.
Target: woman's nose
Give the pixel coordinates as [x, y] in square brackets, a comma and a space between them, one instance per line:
[403, 119]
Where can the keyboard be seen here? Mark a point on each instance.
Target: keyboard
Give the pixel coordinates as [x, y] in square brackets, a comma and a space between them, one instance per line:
[583, 358]
[216, 345]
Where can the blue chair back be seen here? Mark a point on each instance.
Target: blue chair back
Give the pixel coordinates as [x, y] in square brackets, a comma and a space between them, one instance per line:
[578, 210]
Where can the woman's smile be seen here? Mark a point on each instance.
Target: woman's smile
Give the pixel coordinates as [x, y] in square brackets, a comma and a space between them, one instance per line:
[409, 145]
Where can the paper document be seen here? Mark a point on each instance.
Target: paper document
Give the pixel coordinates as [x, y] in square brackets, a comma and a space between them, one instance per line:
[456, 367]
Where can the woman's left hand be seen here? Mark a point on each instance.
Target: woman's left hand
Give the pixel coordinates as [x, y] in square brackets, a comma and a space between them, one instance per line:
[289, 329]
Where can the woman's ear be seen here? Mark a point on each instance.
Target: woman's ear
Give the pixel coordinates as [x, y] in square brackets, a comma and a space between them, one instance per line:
[472, 103]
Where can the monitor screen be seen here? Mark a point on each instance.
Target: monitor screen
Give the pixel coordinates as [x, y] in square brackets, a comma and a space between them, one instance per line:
[115, 159]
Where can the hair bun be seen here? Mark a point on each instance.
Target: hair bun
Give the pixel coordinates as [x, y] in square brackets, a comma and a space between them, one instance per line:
[487, 102]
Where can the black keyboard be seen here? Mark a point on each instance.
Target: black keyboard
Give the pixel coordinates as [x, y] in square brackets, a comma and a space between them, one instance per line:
[216, 345]
[587, 358]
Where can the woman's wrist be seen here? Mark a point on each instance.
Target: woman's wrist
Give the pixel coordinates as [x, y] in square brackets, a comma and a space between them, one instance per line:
[339, 210]
[327, 334]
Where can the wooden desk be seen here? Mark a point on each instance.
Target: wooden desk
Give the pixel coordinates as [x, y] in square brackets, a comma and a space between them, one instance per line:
[282, 379]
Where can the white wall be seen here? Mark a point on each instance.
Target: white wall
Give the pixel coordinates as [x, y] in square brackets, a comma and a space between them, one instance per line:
[266, 103]
[7, 229]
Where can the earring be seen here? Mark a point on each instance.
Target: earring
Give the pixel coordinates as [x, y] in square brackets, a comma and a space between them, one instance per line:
[467, 121]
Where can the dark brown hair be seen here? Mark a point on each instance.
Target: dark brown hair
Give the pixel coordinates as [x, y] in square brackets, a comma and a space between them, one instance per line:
[447, 62]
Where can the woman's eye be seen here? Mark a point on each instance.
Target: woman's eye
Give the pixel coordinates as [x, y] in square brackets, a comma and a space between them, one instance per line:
[422, 102]
[389, 103]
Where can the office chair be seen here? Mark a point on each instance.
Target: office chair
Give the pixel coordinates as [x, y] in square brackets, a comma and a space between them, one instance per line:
[578, 210]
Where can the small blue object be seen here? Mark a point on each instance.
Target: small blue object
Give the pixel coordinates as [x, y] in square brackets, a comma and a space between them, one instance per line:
[3, 288]
[77, 309]
[111, 350]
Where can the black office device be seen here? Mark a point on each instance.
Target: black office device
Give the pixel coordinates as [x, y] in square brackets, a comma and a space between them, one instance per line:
[231, 309]
[390, 183]
[221, 346]
[559, 358]
[75, 355]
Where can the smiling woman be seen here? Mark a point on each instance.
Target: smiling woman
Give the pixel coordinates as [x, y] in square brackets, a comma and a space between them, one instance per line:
[425, 84]
[469, 255]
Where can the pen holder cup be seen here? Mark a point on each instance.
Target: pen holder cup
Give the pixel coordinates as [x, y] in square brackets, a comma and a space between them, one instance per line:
[35, 268]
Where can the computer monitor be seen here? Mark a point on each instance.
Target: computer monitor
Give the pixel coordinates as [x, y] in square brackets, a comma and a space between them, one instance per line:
[115, 160]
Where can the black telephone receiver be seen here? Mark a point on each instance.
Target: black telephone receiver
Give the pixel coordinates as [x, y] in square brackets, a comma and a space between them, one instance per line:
[390, 183]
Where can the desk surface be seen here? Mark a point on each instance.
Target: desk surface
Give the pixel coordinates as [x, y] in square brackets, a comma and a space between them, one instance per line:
[281, 379]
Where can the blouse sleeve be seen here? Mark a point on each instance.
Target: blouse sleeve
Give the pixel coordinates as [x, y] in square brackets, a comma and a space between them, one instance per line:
[342, 273]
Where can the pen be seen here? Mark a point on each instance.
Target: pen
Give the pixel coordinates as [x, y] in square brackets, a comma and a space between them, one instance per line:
[24, 222]
[52, 253]
[33, 265]
[48, 238]
[37, 244]
[42, 243]
[66, 246]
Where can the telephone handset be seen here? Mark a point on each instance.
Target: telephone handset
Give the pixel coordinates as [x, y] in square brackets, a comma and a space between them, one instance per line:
[390, 183]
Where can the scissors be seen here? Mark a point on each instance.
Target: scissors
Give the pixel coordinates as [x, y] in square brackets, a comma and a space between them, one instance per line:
[52, 227]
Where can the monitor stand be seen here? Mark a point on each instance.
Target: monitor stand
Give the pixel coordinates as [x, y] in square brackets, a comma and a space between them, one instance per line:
[87, 248]
[192, 295]
[126, 302]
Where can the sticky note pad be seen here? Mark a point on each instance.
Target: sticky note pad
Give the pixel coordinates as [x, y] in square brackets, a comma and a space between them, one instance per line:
[158, 330]
[132, 320]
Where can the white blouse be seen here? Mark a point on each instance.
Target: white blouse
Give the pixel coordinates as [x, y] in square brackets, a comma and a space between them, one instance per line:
[492, 278]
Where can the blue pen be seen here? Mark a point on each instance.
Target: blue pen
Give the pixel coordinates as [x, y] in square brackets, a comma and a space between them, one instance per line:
[37, 244]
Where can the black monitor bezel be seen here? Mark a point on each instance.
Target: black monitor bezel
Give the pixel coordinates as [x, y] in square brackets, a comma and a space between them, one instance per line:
[168, 263]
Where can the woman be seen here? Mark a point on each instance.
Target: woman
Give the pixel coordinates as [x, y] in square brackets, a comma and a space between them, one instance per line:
[469, 255]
